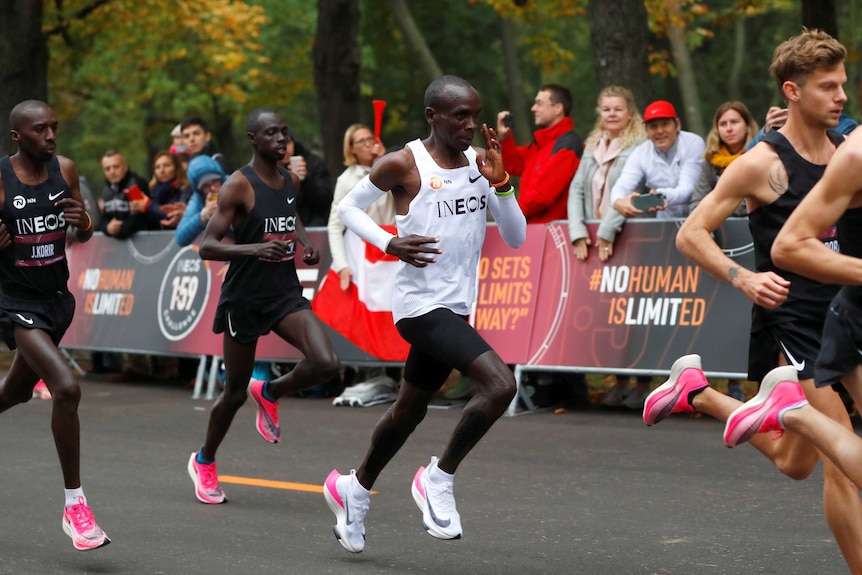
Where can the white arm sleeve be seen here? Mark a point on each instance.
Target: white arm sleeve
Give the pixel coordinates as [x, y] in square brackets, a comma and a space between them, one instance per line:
[351, 210]
[510, 219]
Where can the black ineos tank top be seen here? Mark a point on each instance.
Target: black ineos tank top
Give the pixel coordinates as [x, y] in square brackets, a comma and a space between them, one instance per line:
[273, 217]
[808, 299]
[35, 267]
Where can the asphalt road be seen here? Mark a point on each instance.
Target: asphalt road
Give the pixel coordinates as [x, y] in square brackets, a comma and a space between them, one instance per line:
[585, 492]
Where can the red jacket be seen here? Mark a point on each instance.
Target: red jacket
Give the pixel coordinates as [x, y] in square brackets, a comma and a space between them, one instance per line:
[546, 166]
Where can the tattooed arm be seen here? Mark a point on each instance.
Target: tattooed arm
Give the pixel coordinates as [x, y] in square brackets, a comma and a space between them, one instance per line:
[746, 179]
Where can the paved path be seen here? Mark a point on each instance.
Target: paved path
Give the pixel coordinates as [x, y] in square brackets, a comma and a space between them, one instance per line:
[579, 492]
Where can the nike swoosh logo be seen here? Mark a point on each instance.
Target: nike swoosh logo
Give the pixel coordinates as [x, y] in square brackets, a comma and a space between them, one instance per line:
[230, 327]
[437, 520]
[290, 200]
[53, 197]
[474, 180]
[347, 520]
[796, 364]
[25, 319]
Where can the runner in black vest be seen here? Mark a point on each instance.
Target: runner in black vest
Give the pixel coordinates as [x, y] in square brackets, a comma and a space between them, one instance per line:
[261, 293]
[40, 199]
[772, 178]
[837, 195]
[794, 327]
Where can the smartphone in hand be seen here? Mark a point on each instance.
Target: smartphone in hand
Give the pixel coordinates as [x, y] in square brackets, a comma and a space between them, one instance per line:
[644, 202]
[135, 194]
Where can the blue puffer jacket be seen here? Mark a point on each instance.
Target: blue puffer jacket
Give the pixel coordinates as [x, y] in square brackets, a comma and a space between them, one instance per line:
[191, 226]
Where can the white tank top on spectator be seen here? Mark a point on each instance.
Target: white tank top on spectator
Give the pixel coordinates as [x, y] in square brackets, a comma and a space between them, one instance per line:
[453, 208]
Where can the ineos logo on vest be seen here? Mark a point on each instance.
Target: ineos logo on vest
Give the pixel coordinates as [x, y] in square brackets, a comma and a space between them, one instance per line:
[20, 201]
[280, 224]
[460, 206]
[40, 224]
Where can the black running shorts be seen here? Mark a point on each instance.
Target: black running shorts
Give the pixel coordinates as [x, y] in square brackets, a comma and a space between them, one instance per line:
[246, 322]
[51, 315]
[439, 341]
[842, 342]
[798, 341]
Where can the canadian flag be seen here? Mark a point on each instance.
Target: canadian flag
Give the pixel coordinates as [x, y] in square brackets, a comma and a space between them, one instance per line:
[363, 312]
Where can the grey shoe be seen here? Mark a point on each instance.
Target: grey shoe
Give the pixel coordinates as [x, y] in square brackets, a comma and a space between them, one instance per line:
[636, 398]
[616, 395]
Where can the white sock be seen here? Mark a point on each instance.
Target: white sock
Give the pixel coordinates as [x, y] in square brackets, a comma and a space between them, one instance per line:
[358, 489]
[438, 476]
[74, 496]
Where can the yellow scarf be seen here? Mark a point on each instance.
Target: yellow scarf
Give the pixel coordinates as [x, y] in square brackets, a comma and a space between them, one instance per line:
[722, 158]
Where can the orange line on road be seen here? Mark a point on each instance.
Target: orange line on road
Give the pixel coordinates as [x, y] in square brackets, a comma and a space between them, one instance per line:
[290, 486]
[287, 485]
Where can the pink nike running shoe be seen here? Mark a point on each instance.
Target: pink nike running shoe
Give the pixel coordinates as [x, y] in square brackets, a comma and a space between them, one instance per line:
[266, 418]
[779, 392]
[80, 525]
[674, 396]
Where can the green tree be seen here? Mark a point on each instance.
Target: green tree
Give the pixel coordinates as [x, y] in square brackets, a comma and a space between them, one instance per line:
[132, 69]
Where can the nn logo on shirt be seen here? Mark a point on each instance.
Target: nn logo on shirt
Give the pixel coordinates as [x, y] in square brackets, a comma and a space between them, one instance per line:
[461, 206]
[436, 182]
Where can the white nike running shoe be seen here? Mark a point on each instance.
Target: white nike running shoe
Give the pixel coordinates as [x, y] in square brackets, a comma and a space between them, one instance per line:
[350, 506]
[437, 502]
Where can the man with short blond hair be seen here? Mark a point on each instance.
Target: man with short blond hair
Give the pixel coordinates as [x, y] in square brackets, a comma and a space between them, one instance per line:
[789, 309]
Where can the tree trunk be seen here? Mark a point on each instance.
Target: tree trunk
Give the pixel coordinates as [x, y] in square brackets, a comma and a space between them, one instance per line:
[687, 81]
[222, 132]
[619, 33]
[337, 60]
[514, 81]
[415, 40]
[738, 58]
[23, 61]
[820, 14]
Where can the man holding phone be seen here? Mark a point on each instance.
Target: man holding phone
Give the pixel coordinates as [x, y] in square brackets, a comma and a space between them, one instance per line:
[124, 198]
[667, 165]
[548, 163]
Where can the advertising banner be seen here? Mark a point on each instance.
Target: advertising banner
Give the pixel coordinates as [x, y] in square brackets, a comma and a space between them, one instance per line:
[536, 305]
[508, 291]
[147, 294]
[643, 308]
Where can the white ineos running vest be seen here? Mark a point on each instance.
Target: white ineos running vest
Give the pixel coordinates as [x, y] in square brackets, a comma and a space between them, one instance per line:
[451, 205]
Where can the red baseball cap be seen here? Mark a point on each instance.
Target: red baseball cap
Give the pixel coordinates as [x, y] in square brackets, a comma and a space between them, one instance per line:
[659, 109]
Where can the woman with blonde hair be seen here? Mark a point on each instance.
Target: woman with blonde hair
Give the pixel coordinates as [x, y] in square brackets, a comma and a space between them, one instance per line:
[618, 130]
[733, 127]
[360, 151]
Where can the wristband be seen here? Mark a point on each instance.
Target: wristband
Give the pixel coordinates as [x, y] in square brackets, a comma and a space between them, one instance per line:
[505, 193]
[502, 183]
[89, 223]
[204, 215]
